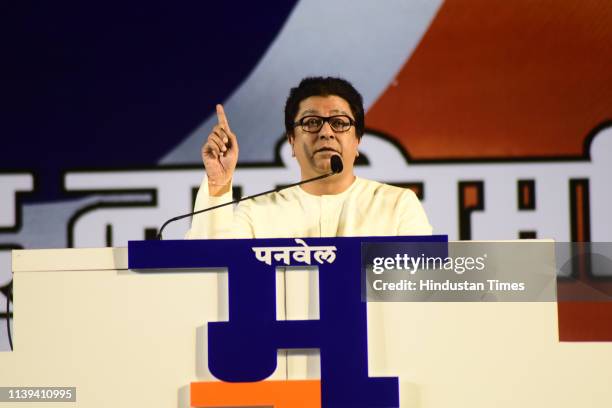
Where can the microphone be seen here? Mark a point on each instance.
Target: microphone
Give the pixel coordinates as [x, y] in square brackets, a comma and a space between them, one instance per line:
[336, 166]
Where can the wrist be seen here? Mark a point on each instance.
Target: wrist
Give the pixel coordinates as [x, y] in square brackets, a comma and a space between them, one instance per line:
[216, 190]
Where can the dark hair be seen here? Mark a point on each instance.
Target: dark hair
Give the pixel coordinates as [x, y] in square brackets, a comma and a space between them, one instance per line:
[320, 86]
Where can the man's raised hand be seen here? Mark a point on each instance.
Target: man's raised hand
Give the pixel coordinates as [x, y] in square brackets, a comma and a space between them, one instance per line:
[220, 154]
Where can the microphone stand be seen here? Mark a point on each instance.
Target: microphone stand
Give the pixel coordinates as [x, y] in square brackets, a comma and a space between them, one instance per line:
[8, 292]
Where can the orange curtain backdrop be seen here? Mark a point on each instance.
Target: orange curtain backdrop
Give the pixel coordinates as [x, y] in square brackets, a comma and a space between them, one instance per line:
[494, 79]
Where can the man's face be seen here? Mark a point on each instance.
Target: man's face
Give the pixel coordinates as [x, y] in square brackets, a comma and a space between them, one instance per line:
[314, 150]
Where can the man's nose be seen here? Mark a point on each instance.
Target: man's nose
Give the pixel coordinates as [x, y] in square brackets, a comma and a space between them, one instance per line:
[326, 131]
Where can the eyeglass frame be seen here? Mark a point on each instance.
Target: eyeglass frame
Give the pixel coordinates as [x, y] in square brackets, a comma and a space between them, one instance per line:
[324, 119]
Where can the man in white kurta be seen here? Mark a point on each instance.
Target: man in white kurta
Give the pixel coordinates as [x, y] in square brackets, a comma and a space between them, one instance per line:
[324, 117]
[366, 208]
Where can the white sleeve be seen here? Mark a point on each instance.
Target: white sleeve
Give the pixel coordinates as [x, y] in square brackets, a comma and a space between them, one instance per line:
[413, 220]
[219, 223]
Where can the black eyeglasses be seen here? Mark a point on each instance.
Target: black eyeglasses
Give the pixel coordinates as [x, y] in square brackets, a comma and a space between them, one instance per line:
[312, 124]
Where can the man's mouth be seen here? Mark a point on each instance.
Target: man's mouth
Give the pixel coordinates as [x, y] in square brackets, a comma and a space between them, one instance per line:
[326, 149]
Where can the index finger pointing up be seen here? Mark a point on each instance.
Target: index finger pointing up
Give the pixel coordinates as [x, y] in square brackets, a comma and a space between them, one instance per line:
[221, 118]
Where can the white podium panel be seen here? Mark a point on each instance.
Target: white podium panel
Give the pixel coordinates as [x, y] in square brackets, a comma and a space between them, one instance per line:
[127, 339]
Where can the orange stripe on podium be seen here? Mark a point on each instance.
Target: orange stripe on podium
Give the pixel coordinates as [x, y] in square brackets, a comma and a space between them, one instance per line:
[279, 394]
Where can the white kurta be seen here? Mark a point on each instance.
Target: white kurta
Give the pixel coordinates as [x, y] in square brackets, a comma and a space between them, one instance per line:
[366, 208]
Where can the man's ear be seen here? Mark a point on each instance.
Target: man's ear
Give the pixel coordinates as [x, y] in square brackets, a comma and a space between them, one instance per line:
[291, 140]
